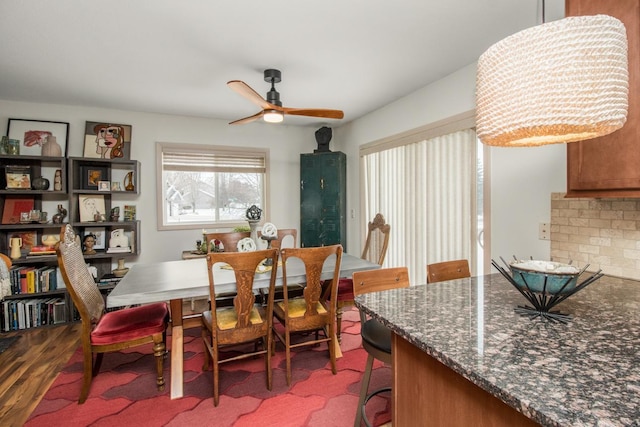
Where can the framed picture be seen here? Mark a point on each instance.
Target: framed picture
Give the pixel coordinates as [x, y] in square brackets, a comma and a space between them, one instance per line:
[105, 140]
[40, 137]
[129, 212]
[115, 186]
[18, 177]
[13, 206]
[104, 186]
[91, 176]
[90, 205]
[100, 234]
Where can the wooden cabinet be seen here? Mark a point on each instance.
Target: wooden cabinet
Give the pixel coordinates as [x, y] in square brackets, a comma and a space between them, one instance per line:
[121, 179]
[608, 166]
[323, 178]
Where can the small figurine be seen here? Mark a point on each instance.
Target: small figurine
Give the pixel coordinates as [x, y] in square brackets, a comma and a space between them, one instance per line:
[115, 214]
[59, 217]
[57, 180]
[323, 137]
[89, 241]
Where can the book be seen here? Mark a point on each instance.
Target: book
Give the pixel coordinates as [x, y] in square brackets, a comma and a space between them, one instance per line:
[119, 250]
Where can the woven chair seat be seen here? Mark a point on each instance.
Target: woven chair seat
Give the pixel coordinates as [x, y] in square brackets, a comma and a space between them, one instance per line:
[228, 317]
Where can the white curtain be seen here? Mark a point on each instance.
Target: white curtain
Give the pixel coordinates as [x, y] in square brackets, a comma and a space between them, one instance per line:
[426, 191]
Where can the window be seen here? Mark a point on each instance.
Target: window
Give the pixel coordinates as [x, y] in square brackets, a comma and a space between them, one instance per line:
[432, 202]
[202, 186]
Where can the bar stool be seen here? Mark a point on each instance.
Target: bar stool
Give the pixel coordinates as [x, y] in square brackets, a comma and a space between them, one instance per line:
[376, 338]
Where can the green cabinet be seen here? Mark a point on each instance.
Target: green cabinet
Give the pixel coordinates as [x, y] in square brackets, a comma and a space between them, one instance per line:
[323, 199]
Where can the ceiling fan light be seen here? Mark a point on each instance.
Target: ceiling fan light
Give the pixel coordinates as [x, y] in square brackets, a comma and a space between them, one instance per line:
[562, 81]
[273, 116]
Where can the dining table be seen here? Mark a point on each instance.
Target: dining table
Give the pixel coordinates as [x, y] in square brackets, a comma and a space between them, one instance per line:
[174, 281]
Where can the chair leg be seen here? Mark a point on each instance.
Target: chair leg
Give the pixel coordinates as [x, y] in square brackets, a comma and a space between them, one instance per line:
[364, 388]
[159, 351]
[332, 348]
[267, 355]
[339, 322]
[287, 351]
[207, 354]
[97, 363]
[88, 375]
[216, 375]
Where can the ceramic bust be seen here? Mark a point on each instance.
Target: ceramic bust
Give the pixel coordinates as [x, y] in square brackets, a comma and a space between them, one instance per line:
[89, 241]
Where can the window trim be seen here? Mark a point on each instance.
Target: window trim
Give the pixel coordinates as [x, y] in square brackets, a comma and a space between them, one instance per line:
[201, 148]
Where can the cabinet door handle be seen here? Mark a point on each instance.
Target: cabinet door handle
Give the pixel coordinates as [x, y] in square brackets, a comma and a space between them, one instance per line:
[322, 183]
[301, 185]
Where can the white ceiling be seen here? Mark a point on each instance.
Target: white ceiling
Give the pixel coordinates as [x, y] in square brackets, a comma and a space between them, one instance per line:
[175, 57]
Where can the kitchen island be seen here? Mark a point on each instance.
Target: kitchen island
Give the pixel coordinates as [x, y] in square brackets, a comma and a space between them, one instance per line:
[462, 356]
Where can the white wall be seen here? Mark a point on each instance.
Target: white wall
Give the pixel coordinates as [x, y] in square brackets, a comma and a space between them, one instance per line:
[285, 144]
[521, 179]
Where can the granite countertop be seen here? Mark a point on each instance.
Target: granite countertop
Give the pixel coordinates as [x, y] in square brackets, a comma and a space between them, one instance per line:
[585, 372]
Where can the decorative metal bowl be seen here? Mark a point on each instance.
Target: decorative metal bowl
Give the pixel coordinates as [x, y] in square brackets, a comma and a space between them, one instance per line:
[546, 277]
[545, 284]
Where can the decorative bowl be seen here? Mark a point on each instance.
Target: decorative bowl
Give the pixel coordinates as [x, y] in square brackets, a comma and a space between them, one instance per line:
[545, 276]
[120, 272]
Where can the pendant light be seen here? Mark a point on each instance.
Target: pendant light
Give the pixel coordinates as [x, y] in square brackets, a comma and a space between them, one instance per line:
[561, 81]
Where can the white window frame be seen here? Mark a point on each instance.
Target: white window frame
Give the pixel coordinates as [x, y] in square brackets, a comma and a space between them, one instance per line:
[206, 150]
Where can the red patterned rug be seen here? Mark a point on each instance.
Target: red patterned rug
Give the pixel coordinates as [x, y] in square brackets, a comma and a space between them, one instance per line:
[124, 393]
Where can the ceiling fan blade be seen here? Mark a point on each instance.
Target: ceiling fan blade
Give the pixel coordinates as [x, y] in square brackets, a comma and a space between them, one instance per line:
[245, 90]
[314, 112]
[247, 119]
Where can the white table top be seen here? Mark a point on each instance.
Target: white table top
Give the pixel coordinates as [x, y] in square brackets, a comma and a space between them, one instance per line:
[164, 281]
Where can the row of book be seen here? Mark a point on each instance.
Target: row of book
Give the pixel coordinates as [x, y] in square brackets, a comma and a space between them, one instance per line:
[31, 313]
[31, 280]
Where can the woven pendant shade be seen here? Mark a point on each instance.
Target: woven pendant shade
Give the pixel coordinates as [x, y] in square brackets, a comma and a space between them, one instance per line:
[562, 81]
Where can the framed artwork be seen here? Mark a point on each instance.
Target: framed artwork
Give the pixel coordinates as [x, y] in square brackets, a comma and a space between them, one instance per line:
[18, 177]
[100, 234]
[129, 212]
[91, 176]
[90, 205]
[105, 140]
[40, 137]
[115, 186]
[13, 206]
[104, 186]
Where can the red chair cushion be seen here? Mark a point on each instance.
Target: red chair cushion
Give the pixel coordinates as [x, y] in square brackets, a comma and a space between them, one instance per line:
[130, 323]
[345, 290]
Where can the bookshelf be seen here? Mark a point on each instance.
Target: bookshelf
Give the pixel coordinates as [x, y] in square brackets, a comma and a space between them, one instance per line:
[38, 297]
[99, 189]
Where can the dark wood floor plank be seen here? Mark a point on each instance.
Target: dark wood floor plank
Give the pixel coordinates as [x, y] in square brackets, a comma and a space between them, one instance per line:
[30, 365]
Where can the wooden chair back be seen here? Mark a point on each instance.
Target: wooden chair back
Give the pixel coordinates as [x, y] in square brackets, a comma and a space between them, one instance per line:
[448, 270]
[229, 240]
[244, 266]
[79, 282]
[375, 247]
[287, 238]
[379, 280]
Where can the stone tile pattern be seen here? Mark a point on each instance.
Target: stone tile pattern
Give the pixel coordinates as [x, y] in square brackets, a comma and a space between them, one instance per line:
[604, 233]
[583, 373]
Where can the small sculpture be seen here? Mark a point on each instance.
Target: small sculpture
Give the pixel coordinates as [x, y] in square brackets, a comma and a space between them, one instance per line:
[323, 137]
[60, 216]
[118, 239]
[115, 214]
[57, 180]
[254, 213]
[89, 241]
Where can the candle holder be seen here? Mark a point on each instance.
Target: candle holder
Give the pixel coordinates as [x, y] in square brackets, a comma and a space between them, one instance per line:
[268, 239]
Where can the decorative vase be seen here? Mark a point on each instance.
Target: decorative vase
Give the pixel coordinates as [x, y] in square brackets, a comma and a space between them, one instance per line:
[59, 217]
[51, 148]
[121, 270]
[16, 244]
[128, 182]
[40, 183]
[57, 180]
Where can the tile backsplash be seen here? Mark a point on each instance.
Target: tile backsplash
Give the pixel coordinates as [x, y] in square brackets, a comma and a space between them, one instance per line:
[604, 233]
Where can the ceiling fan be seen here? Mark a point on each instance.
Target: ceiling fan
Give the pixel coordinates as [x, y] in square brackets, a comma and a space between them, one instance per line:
[272, 109]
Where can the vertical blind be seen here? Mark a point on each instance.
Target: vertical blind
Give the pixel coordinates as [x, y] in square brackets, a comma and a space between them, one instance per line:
[426, 192]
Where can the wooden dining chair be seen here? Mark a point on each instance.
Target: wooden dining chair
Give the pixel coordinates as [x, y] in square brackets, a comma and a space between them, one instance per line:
[448, 270]
[229, 239]
[375, 250]
[106, 332]
[376, 338]
[244, 322]
[309, 312]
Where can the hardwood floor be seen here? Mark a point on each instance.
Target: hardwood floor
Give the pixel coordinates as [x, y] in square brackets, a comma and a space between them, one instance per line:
[30, 365]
